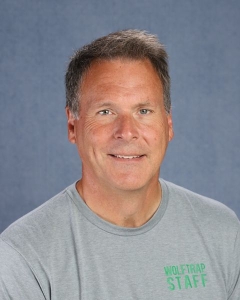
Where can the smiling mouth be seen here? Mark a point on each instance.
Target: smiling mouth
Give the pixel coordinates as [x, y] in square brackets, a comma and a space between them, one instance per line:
[127, 156]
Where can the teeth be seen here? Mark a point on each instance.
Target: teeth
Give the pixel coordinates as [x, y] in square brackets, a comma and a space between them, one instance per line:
[127, 157]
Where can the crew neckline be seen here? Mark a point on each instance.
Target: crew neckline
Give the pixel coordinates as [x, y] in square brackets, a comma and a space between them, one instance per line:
[115, 229]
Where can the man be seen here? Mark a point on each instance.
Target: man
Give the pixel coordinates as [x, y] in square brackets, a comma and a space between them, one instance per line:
[120, 232]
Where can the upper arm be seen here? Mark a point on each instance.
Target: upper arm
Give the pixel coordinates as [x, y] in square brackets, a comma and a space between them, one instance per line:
[234, 285]
[17, 279]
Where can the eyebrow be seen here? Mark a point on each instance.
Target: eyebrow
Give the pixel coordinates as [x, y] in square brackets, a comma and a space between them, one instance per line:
[109, 103]
[146, 103]
[103, 104]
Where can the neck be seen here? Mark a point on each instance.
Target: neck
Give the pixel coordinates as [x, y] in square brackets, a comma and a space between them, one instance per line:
[121, 207]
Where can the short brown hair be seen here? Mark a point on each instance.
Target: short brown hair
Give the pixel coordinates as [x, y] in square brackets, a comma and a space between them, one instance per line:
[133, 44]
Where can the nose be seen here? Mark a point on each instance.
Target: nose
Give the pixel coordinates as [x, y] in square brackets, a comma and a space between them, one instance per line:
[126, 128]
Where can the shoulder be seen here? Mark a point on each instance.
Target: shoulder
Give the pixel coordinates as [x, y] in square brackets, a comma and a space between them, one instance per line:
[42, 224]
[206, 211]
[28, 246]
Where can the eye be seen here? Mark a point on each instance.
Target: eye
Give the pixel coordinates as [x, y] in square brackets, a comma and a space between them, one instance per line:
[104, 112]
[144, 111]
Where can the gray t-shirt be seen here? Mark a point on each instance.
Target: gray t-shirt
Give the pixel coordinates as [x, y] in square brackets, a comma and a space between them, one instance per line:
[189, 249]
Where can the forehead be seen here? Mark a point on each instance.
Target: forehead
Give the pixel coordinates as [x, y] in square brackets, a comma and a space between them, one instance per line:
[120, 72]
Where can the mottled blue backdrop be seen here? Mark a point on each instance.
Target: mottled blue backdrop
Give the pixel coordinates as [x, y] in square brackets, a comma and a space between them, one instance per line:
[37, 38]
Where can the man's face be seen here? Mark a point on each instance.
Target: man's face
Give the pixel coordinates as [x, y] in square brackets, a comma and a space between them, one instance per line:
[123, 130]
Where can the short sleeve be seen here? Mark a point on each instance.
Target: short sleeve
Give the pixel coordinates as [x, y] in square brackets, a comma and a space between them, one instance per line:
[17, 280]
[234, 291]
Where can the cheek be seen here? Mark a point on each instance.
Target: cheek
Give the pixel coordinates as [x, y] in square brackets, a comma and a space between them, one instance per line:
[156, 133]
[157, 141]
[88, 126]
[93, 134]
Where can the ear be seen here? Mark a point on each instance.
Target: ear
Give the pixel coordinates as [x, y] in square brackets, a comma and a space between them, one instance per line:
[170, 127]
[71, 126]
